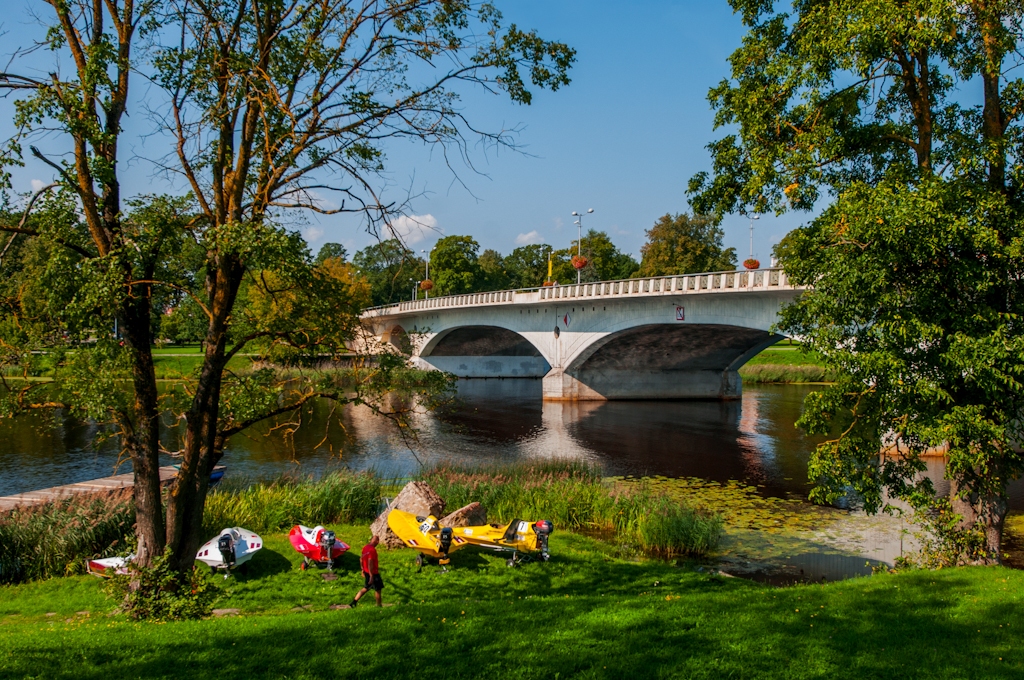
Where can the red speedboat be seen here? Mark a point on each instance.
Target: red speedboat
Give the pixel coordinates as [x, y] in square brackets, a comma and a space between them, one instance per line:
[318, 546]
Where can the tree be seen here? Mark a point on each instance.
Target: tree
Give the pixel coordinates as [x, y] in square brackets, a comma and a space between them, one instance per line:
[605, 262]
[685, 245]
[269, 107]
[492, 265]
[331, 250]
[527, 266]
[916, 266]
[454, 266]
[389, 267]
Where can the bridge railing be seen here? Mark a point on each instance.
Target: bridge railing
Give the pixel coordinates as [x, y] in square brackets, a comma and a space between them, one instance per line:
[683, 284]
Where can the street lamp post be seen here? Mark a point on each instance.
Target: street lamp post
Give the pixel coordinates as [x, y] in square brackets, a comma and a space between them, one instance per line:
[579, 240]
[427, 258]
[753, 216]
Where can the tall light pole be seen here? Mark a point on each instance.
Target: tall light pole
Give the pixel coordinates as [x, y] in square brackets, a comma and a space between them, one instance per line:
[579, 240]
[427, 258]
[753, 216]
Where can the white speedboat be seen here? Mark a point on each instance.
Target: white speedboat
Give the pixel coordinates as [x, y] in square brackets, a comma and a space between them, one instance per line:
[230, 549]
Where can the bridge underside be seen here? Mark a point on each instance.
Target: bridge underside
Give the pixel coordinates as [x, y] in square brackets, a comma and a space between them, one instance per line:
[661, 362]
[656, 361]
[486, 352]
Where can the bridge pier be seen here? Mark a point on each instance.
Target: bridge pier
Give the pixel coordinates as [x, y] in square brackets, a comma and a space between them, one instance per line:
[560, 385]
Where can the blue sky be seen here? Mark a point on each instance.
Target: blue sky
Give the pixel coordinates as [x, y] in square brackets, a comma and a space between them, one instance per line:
[624, 138]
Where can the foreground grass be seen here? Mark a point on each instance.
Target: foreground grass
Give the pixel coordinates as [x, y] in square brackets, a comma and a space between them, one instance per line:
[586, 613]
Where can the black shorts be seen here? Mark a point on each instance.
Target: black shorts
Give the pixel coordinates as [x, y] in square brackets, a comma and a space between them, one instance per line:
[374, 581]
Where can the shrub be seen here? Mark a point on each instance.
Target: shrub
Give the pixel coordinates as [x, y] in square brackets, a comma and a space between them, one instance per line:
[157, 593]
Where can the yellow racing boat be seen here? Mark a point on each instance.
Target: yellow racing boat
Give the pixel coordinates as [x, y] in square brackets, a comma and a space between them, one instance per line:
[523, 539]
[425, 535]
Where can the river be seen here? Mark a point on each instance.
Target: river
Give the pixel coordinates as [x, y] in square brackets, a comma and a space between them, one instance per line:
[752, 441]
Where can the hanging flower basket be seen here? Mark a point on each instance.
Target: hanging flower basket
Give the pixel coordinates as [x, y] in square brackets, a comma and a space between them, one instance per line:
[579, 262]
[426, 284]
[751, 264]
[548, 283]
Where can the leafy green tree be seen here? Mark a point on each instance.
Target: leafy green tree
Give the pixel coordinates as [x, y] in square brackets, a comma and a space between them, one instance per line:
[389, 267]
[605, 262]
[915, 268]
[527, 266]
[331, 250]
[684, 244]
[454, 266]
[268, 108]
[495, 276]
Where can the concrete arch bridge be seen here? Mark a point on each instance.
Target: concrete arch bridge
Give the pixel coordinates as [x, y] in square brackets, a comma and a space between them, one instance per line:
[672, 337]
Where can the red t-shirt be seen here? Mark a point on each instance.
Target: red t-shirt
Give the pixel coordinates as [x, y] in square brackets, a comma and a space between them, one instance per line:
[368, 560]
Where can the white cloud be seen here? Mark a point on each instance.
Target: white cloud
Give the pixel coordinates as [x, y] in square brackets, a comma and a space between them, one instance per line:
[38, 184]
[413, 228]
[312, 234]
[529, 238]
[558, 223]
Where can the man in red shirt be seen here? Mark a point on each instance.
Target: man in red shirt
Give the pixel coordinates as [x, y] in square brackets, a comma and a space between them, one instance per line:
[371, 572]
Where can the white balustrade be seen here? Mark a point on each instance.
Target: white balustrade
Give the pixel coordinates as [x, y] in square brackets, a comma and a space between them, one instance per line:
[712, 282]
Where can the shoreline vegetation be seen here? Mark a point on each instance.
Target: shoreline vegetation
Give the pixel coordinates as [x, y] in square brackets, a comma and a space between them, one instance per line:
[781, 363]
[55, 539]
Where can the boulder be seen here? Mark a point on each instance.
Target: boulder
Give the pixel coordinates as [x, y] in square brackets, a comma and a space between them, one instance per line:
[416, 498]
[470, 515]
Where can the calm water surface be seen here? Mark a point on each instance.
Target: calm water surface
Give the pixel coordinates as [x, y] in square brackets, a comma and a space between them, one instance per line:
[752, 440]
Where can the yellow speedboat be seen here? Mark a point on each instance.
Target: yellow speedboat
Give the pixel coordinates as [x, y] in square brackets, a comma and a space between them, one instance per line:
[425, 535]
[523, 539]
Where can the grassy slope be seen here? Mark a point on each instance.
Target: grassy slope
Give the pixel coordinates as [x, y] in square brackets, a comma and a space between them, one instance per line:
[586, 613]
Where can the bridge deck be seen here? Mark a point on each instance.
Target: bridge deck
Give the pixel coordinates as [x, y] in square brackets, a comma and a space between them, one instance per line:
[761, 280]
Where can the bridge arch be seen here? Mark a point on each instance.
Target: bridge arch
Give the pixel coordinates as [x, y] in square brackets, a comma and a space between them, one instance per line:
[660, 361]
[483, 351]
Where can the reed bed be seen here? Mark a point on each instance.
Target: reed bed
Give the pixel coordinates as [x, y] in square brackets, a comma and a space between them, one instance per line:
[55, 539]
[338, 496]
[574, 496]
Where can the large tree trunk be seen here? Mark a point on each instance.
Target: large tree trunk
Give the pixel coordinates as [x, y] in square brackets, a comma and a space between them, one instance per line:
[145, 436]
[987, 512]
[187, 498]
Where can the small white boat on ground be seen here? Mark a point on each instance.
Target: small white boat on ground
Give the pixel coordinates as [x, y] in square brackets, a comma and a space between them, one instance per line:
[230, 549]
[108, 566]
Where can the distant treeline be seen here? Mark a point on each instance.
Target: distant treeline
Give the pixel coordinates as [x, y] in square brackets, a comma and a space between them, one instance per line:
[676, 244]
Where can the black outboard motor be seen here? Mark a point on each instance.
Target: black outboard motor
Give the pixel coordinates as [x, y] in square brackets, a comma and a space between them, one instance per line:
[327, 546]
[446, 544]
[543, 530]
[227, 550]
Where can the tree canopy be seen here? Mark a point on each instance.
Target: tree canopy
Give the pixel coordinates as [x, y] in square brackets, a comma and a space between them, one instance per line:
[605, 261]
[682, 244]
[906, 116]
[454, 266]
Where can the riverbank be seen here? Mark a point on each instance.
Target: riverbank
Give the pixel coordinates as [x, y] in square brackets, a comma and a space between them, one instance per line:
[785, 363]
[586, 613]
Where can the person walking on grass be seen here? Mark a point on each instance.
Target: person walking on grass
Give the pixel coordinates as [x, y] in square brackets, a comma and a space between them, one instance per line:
[371, 572]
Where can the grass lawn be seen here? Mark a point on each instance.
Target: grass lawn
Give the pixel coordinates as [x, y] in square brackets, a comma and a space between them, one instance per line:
[174, 367]
[587, 613]
[786, 355]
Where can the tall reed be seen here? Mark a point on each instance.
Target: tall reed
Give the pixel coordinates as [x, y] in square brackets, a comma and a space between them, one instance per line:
[54, 539]
[281, 503]
[573, 496]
